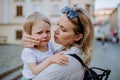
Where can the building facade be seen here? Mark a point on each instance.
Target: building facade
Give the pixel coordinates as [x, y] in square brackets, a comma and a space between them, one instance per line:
[103, 14]
[13, 14]
[115, 21]
[102, 23]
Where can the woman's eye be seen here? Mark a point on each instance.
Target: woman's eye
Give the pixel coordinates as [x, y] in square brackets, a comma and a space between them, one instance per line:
[64, 30]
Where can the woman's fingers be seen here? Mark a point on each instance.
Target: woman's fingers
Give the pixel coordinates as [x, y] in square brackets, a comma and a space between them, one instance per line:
[29, 43]
[29, 40]
[30, 37]
[31, 46]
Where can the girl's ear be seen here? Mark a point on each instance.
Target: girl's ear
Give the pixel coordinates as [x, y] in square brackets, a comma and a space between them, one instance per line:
[78, 37]
[25, 29]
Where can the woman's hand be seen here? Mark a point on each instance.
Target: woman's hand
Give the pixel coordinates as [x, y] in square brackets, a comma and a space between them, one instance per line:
[58, 58]
[27, 39]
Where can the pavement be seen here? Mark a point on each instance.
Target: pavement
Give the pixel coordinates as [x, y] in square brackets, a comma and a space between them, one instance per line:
[9, 57]
[106, 57]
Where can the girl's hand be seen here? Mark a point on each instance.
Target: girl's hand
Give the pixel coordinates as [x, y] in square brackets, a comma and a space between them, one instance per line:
[59, 59]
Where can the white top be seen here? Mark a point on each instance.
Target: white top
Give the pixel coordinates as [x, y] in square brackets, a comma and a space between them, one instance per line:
[33, 55]
[72, 71]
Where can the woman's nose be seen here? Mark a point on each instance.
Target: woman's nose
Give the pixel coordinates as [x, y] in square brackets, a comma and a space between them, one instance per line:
[57, 31]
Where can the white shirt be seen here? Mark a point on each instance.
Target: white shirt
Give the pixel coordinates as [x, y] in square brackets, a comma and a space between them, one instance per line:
[33, 55]
[72, 71]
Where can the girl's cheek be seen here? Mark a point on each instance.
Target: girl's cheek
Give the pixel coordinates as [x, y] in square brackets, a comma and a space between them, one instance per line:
[37, 37]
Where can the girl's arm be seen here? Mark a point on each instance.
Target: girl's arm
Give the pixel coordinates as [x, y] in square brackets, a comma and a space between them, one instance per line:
[57, 58]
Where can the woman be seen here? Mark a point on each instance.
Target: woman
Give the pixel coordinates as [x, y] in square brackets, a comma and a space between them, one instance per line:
[75, 34]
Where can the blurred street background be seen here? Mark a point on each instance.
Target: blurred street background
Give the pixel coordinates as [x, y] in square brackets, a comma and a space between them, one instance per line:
[105, 16]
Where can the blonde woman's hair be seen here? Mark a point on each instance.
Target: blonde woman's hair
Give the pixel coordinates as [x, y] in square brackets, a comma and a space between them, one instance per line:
[31, 20]
[85, 44]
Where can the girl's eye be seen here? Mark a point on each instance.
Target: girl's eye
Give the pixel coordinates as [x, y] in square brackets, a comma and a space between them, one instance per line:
[39, 33]
[48, 31]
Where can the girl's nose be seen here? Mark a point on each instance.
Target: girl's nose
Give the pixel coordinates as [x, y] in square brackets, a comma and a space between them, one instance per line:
[45, 35]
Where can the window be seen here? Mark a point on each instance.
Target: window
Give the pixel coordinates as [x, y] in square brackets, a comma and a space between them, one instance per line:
[19, 11]
[19, 34]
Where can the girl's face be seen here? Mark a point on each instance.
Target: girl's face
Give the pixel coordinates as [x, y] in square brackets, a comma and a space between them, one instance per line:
[64, 34]
[41, 30]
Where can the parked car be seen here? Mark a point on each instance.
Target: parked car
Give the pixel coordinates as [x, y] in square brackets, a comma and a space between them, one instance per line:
[108, 38]
[111, 38]
[99, 36]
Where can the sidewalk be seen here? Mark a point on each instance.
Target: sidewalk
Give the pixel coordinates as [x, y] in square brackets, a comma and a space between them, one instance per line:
[107, 58]
[9, 57]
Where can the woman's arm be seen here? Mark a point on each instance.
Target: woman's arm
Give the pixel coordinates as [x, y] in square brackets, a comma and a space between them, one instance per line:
[57, 58]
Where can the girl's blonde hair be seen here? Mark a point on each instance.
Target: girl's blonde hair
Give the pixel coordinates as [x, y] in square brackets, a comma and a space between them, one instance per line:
[32, 19]
[85, 44]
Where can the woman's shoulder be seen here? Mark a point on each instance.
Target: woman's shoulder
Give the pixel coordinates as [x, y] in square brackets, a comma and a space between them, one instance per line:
[75, 50]
[72, 50]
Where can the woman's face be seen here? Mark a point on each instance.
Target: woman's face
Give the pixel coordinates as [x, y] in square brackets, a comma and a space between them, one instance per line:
[64, 33]
[41, 30]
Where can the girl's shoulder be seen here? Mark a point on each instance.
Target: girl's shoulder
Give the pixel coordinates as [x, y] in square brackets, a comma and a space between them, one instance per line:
[51, 43]
[51, 46]
[28, 49]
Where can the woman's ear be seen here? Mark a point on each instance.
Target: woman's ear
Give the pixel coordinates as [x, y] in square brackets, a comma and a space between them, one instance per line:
[78, 37]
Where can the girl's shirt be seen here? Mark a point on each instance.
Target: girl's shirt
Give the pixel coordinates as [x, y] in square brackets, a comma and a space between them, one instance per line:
[33, 55]
[72, 71]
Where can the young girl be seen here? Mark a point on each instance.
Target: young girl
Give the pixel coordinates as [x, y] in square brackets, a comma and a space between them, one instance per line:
[38, 58]
[75, 34]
